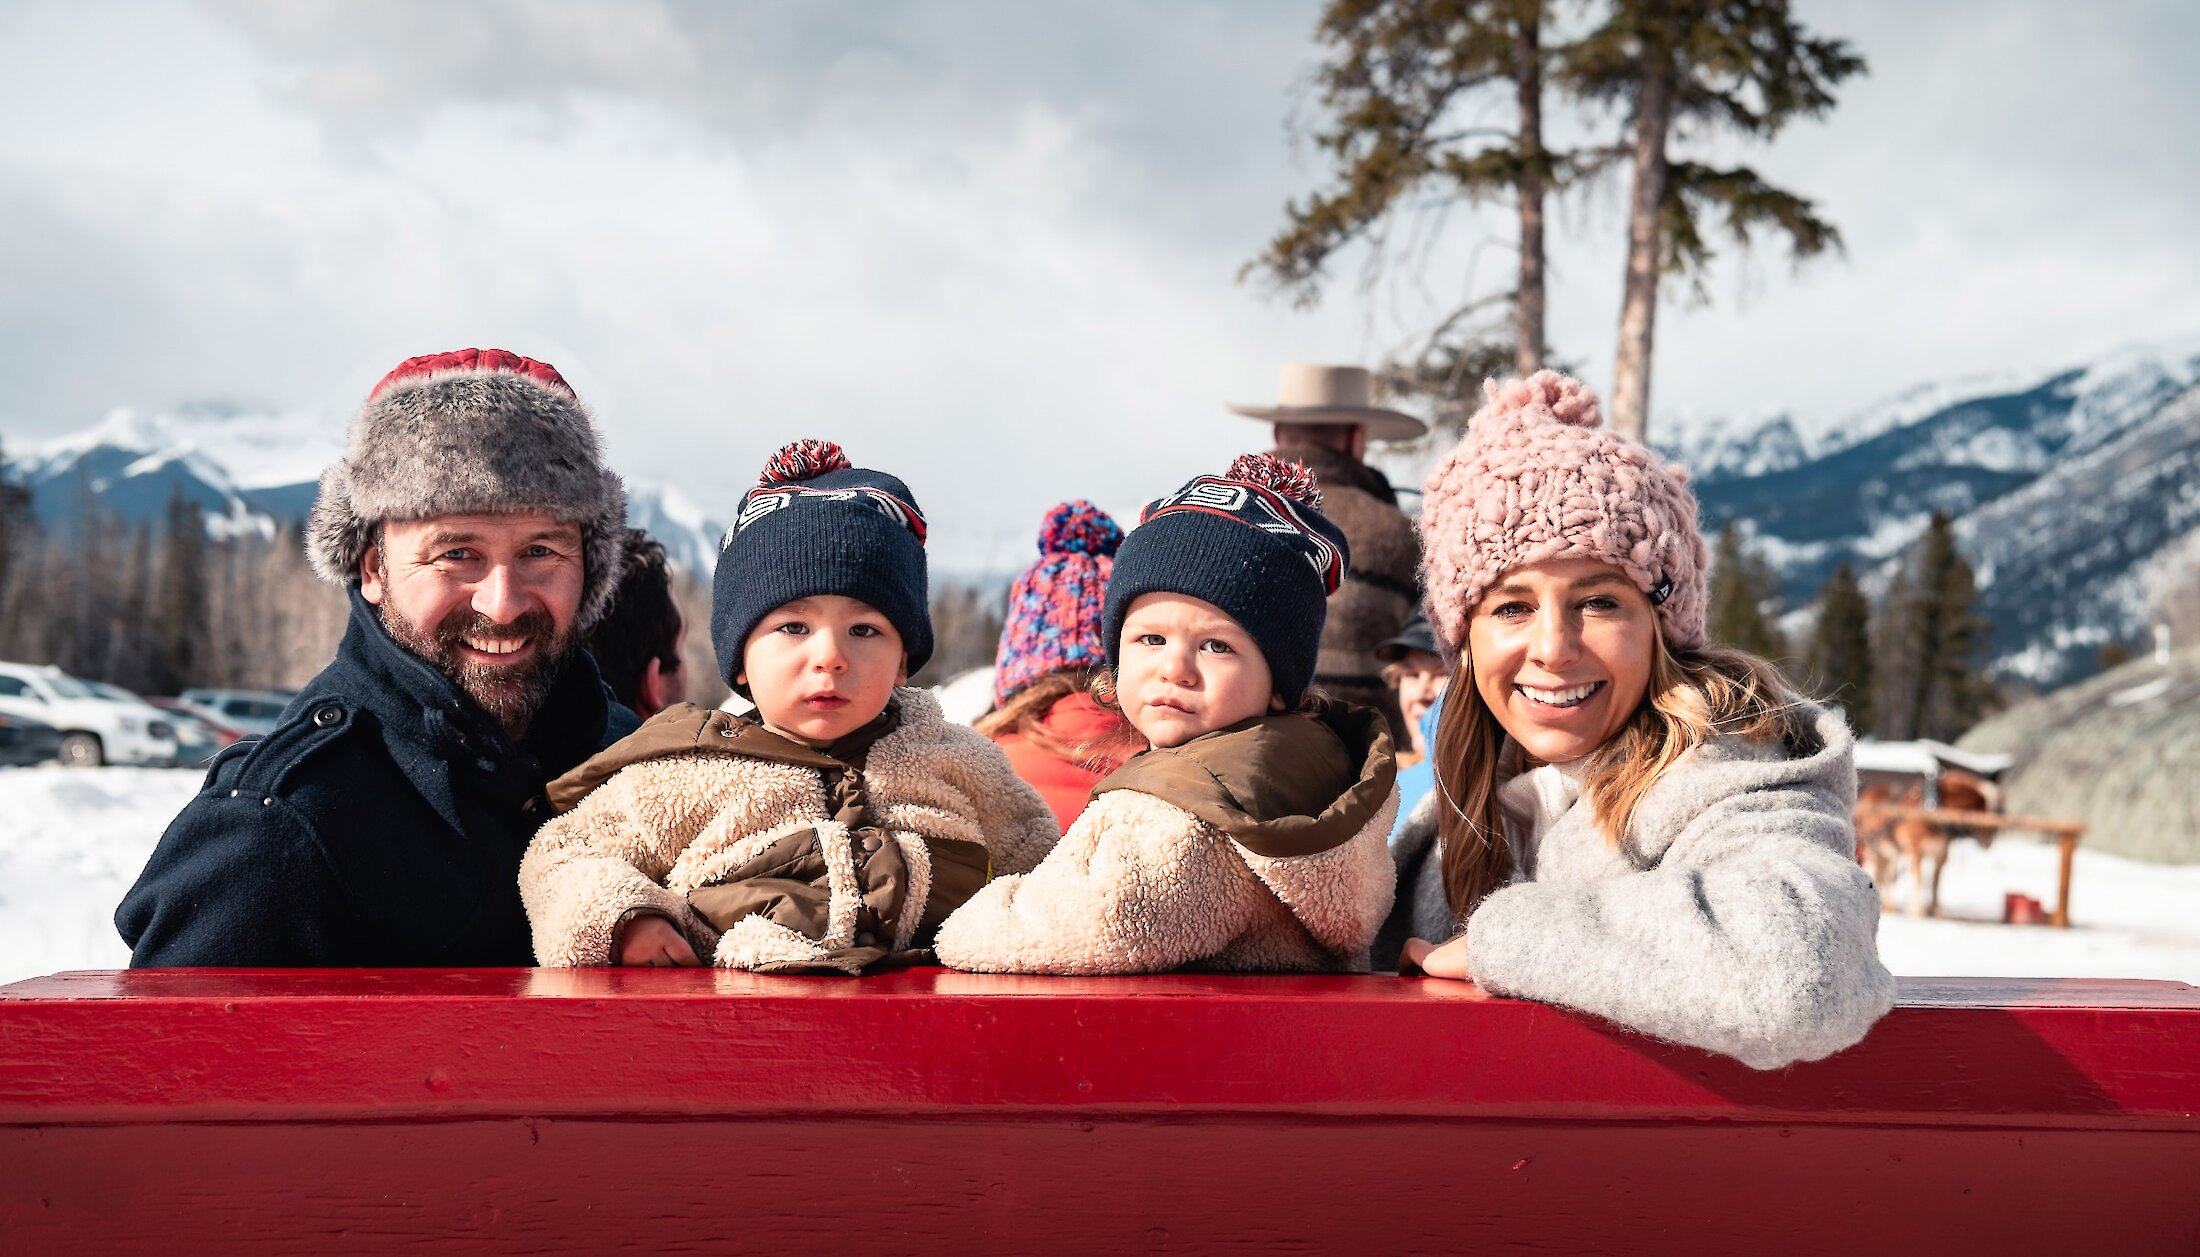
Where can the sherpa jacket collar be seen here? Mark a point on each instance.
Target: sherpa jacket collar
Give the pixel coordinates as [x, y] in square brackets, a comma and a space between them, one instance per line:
[1294, 784]
[686, 729]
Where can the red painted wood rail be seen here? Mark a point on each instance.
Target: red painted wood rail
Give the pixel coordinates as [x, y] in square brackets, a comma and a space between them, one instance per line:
[661, 1111]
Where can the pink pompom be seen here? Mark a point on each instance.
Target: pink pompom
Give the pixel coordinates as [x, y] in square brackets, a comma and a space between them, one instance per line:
[1269, 472]
[802, 460]
[1079, 527]
[1562, 397]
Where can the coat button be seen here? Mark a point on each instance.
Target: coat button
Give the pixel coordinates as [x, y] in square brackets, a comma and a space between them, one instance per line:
[866, 939]
[870, 842]
[327, 714]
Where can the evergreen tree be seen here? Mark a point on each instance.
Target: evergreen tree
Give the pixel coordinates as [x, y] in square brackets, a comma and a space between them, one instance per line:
[1400, 86]
[1840, 659]
[966, 631]
[127, 651]
[179, 599]
[1743, 585]
[1696, 66]
[1895, 669]
[15, 515]
[1949, 637]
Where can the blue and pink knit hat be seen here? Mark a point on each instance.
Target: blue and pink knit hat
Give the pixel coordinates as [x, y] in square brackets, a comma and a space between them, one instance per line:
[1054, 609]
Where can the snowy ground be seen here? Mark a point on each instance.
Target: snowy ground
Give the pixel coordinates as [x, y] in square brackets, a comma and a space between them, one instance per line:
[71, 841]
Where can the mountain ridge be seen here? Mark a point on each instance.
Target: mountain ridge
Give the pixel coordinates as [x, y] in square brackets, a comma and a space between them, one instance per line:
[252, 470]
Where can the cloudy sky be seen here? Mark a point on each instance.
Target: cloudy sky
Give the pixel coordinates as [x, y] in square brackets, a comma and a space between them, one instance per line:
[989, 246]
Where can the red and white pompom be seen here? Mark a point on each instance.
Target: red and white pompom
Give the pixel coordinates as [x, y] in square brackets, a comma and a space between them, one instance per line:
[803, 460]
[1279, 475]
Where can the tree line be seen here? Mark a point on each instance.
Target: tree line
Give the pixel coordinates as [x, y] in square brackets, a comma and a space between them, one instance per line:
[1911, 665]
[158, 608]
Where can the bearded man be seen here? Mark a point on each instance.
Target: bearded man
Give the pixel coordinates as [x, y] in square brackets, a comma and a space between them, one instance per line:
[478, 534]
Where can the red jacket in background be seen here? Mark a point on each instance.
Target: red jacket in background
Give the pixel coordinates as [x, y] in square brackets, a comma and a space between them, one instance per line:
[1066, 787]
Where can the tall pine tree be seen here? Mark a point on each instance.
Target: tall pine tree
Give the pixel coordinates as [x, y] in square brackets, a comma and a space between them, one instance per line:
[1948, 639]
[1405, 87]
[179, 599]
[1695, 67]
[1743, 587]
[15, 514]
[1840, 658]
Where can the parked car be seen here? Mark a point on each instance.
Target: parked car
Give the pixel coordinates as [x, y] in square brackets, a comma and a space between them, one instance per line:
[254, 711]
[24, 740]
[200, 735]
[196, 741]
[94, 730]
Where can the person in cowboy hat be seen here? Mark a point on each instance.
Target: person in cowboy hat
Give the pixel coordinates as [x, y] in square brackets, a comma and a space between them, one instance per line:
[1324, 416]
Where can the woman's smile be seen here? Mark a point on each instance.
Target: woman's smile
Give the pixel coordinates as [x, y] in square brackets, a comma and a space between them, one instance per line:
[1559, 698]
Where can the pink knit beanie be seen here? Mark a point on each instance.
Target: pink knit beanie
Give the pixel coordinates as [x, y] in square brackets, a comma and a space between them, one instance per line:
[1537, 477]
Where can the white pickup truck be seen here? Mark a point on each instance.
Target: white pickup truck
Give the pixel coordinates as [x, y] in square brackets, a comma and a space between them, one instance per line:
[94, 730]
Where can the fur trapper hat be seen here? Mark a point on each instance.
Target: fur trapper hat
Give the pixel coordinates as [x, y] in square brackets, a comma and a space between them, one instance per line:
[473, 431]
[1252, 541]
[1537, 477]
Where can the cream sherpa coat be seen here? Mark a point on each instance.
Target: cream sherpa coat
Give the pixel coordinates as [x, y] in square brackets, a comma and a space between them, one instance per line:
[1258, 847]
[661, 829]
[1733, 917]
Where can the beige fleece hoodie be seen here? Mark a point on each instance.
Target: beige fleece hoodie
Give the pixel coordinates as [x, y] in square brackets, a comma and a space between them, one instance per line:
[665, 828]
[1257, 847]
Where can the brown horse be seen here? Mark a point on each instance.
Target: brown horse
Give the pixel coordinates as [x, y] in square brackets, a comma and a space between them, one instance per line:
[1881, 840]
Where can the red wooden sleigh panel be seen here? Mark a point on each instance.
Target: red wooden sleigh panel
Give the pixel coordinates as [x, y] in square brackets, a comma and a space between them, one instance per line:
[664, 1111]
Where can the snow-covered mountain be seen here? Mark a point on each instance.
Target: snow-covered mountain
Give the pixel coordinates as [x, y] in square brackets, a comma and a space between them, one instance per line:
[2061, 483]
[249, 469]
[2078, 407]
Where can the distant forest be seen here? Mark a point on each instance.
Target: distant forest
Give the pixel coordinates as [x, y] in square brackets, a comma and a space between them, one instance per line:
[159, 609]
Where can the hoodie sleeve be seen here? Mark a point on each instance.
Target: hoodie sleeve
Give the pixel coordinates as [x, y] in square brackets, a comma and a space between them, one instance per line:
[592, 868]
[1136, 886]
[1754, 935]
[949, 781]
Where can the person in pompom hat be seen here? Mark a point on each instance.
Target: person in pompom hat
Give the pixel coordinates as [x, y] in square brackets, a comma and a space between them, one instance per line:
[1627, 820]
[477, 532]
[835, 827]
[1250, 835]
[1058, 737]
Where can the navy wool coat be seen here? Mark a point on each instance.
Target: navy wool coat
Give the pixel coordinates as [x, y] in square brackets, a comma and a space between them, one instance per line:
[381, 824]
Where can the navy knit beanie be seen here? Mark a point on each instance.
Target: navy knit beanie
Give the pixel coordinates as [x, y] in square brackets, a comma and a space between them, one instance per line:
[815, 525]
[1253, 542]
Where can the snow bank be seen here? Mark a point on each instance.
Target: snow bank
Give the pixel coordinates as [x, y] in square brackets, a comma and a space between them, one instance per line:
[72, 841]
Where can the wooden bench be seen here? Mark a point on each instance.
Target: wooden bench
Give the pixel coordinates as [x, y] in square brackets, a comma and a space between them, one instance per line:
[661, 1111]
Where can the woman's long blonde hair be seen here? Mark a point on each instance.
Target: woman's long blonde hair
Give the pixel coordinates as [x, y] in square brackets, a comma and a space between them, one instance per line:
[1692, 696]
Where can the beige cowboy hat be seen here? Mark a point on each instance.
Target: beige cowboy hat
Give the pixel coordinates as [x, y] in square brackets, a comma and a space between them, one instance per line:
[1314, 393]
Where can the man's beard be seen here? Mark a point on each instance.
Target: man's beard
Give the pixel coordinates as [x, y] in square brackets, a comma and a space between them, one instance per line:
[510, 693]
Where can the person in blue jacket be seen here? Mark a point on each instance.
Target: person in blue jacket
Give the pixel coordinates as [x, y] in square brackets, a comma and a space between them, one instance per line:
[1413, 667]
[477, 532]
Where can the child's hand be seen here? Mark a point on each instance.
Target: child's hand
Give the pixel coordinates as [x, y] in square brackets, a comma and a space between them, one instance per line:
[654, 942]
[1446, 961]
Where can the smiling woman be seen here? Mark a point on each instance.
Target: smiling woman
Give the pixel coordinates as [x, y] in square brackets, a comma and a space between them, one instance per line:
[1626, 821]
